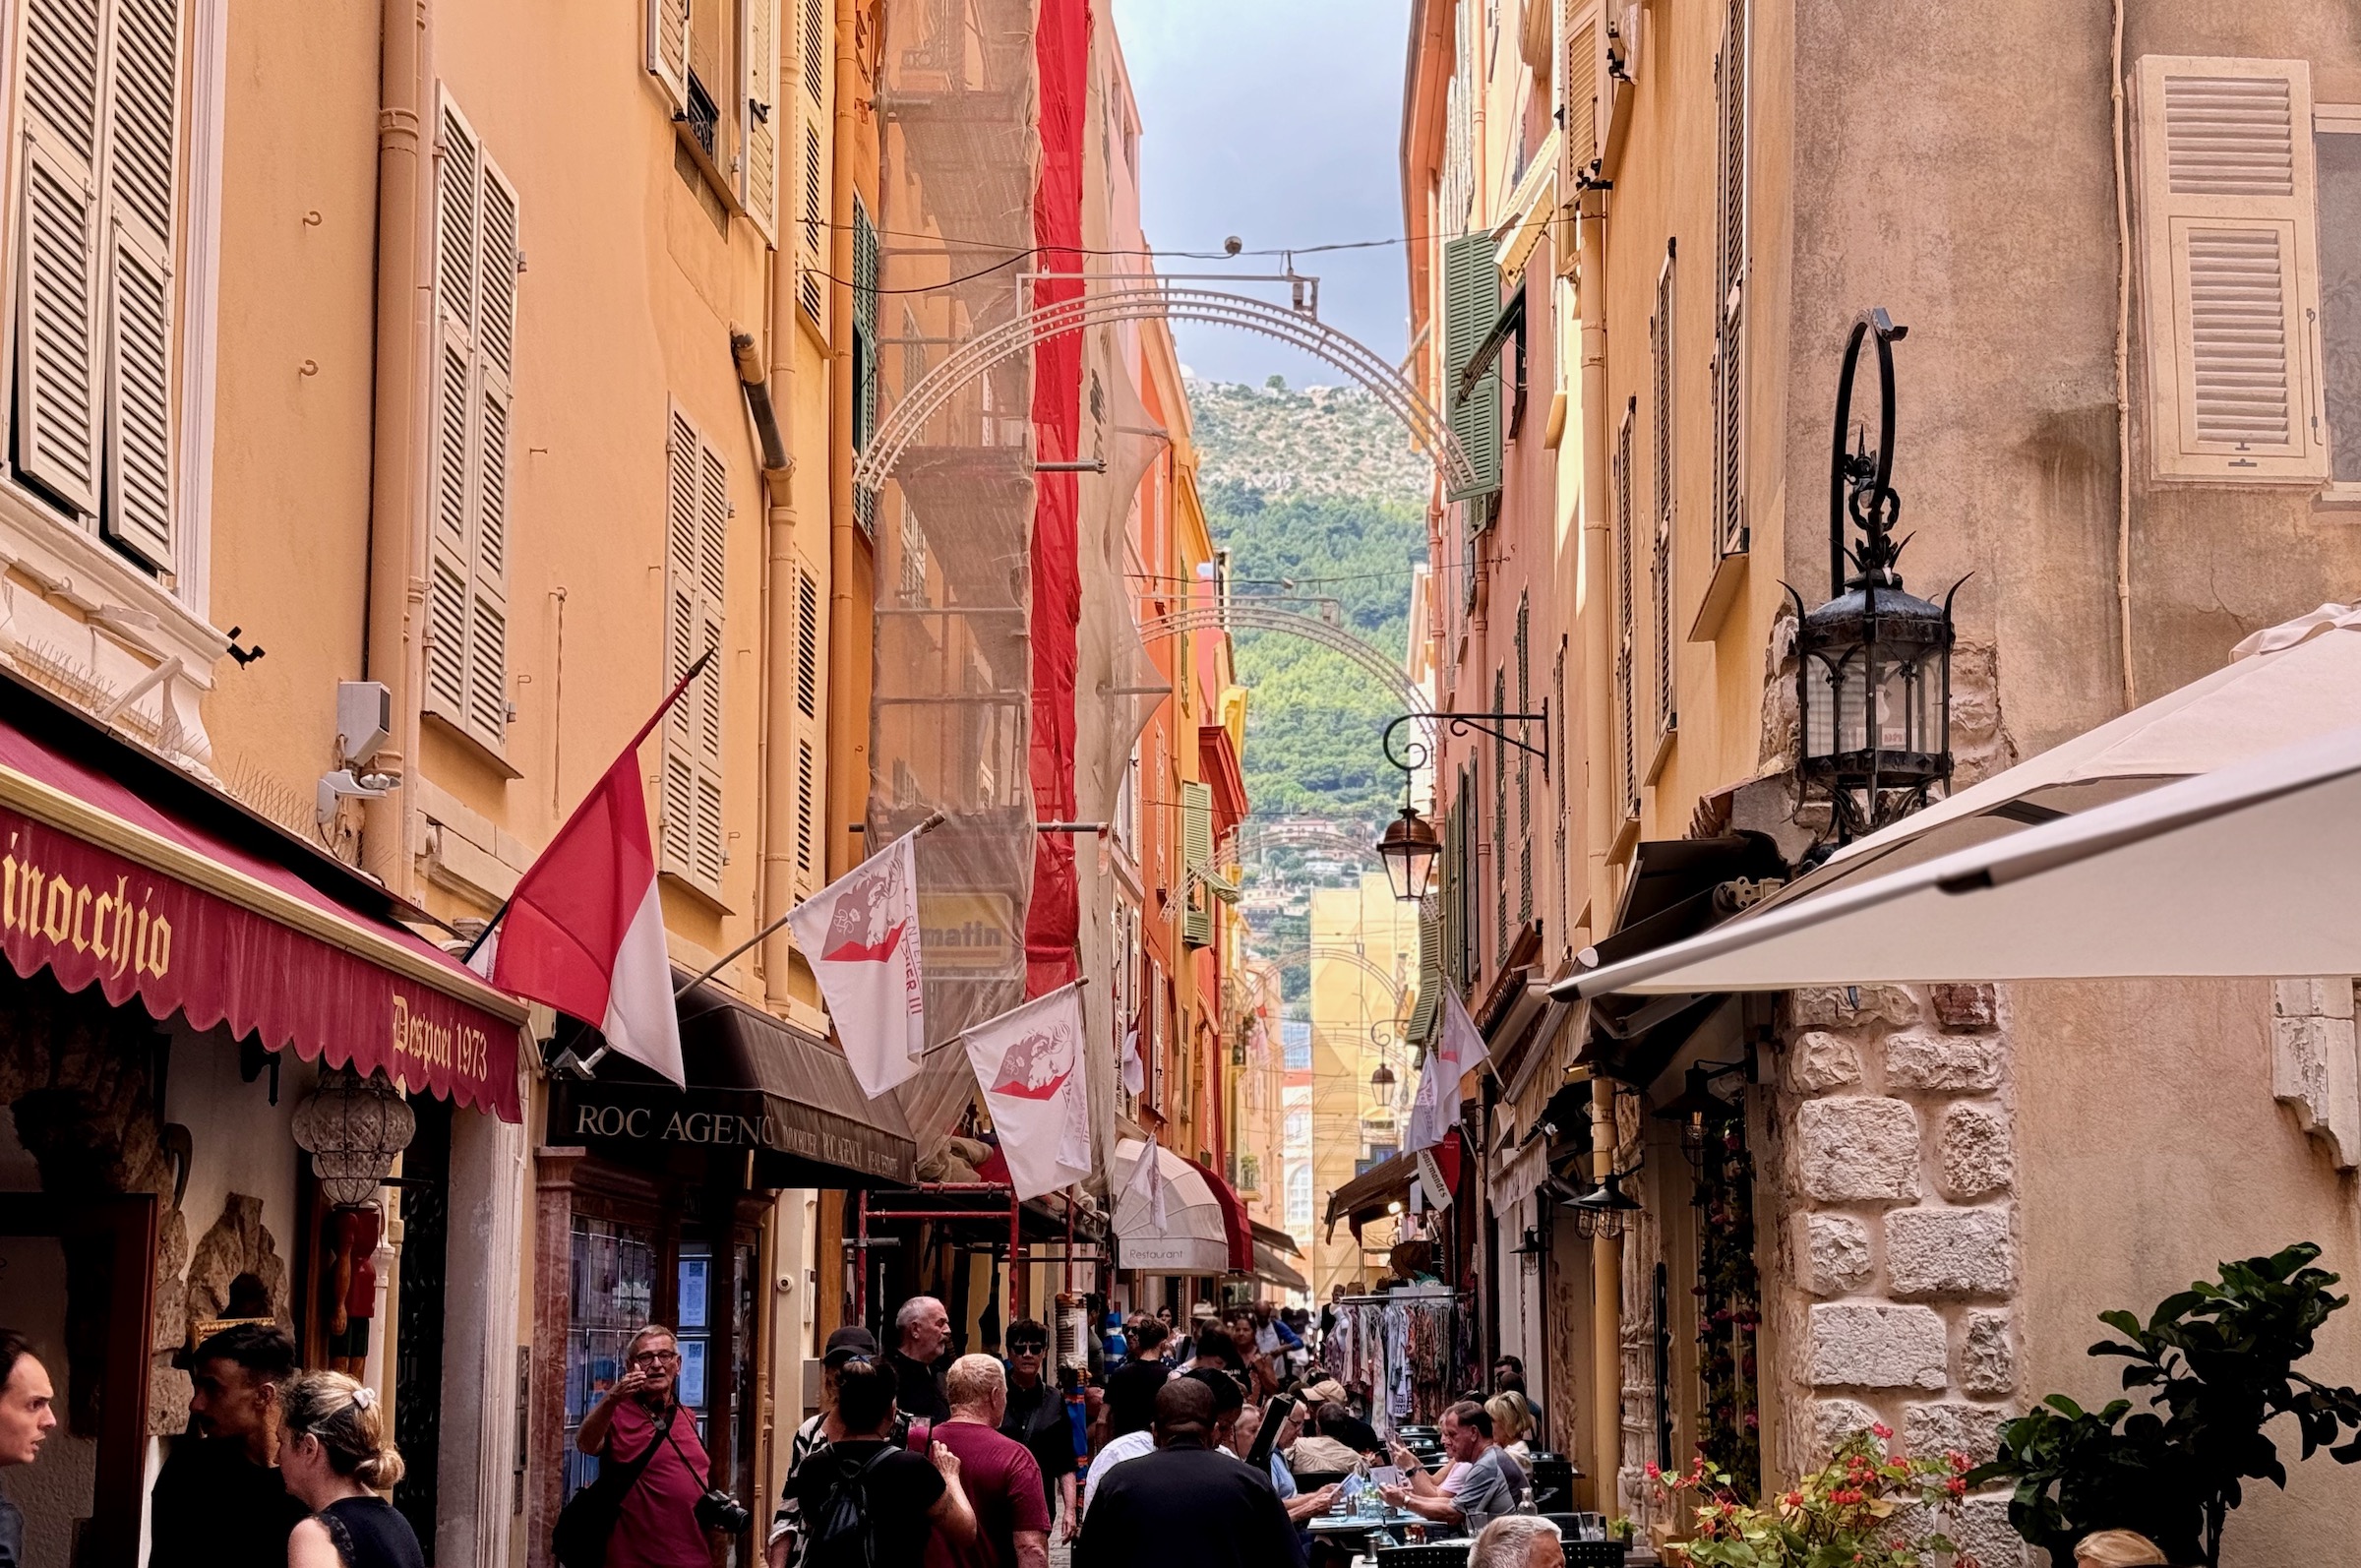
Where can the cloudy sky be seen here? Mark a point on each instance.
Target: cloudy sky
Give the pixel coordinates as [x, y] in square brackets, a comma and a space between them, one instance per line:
[1276, 121]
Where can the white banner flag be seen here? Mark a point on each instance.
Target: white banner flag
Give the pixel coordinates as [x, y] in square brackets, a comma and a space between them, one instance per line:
[1135, 1064]
[859, 935]
[1457, 1049]
[1029, 1062]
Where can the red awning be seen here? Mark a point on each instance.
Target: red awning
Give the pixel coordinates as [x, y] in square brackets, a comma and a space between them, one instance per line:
[101, 883]
[1237, 1224]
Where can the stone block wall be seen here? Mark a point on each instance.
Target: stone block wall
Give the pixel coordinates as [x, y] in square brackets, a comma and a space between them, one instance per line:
[1893, 1193]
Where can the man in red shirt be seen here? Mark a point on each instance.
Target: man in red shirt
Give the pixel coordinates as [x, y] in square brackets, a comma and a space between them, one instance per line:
[1003, 1480]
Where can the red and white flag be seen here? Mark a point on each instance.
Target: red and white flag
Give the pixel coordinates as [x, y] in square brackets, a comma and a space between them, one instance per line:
[584, 929]
[861, 935]
[1456, 1051]
[1029, 1062]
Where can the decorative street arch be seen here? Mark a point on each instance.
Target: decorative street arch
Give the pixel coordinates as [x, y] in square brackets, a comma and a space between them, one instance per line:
[1150, 299]
[1244, 615]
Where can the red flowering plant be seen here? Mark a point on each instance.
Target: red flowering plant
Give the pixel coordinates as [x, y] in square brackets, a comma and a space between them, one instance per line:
[1865, 1508]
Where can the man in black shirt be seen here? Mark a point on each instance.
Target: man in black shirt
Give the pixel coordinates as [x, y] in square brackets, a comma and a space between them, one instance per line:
[218, 1501]
[1131, 1387]
[903, 1498]
[1186, 1505]
[920, 1329]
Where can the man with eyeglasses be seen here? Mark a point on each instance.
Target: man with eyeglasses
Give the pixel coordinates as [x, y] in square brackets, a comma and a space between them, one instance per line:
[640, 1422]
[1036, 1417]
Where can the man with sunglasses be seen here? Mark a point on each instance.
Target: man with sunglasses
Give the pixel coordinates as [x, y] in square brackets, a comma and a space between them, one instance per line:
[1037, 1418]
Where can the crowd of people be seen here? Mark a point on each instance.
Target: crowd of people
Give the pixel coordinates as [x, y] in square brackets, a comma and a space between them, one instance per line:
[283, 1469]
[1209, 1442]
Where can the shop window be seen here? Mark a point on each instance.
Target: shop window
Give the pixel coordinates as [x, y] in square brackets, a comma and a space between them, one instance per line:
[614, 1290]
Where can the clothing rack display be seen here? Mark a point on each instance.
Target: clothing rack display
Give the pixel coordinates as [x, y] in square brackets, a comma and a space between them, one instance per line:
[1405, 1347]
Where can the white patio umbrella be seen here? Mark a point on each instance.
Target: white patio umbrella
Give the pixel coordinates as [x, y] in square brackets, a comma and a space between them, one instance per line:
[2246, 870]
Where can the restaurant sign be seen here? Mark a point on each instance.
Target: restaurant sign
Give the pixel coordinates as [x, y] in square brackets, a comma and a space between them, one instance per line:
[89, 915]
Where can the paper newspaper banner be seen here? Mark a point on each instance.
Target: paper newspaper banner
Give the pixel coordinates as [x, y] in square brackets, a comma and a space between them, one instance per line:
[1029, 1063]
[1458, 1047]
[861, 935]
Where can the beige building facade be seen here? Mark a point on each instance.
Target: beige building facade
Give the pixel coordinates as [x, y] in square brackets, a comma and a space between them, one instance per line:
[2125, 459]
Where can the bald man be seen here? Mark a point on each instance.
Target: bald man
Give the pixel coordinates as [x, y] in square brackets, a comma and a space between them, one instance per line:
[1186, 1505]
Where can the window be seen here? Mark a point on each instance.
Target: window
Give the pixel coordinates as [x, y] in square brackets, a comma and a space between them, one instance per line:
[1299, 1130]
[1659, 338]
[1560, 867]
[2338, 150]
[697, 516]
[1294, 1035]
[475, 330]
[614, 1290]
[1299, 1197]
[2229, 199]
[100, 181]
[1729, 279]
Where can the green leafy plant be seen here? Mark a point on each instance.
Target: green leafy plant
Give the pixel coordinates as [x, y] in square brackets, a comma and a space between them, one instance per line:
[1862, 1509]
[2217, 1364]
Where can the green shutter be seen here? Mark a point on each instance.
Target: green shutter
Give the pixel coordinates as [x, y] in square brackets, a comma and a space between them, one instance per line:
[864, 354]
[1471, 306]
[1196, 855]
[1428, 1009]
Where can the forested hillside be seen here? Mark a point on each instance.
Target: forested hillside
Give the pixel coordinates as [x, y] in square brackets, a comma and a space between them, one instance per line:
[1319, 499]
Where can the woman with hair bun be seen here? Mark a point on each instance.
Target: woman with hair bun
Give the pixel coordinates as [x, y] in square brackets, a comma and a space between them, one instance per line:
[335, 1458]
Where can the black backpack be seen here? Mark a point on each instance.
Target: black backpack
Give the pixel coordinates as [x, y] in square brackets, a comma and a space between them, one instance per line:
[844, 1527]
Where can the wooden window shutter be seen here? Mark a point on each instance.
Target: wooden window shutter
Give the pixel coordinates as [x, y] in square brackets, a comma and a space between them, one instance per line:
[1470, 305]
[668, 48]
[807, 816]
[2231, 272]
[807, 646]
[697, 511]
[1578, 95]
[57, 434]
[1427, 1010]
[758, 167]
[1659, 341]
[1524, 646]
[1729, 280]
[142, 132]
[813, 267]
[476, 249]
[1196, 859]
[816, 52]
[1628, 728]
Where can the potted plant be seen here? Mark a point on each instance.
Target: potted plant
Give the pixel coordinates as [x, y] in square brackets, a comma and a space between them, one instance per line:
[1862, 1509]
[2216, 1364]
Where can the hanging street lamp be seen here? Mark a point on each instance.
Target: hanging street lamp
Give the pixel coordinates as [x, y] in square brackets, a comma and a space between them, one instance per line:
[1408, 847]
[1873, 664]
[1603, 1210]
[1409, 844]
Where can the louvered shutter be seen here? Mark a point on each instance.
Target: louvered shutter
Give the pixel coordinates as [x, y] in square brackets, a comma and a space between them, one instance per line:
[1627, 768]
[1196, 859]
[2231, 270]
[814, 265]
[866, 381]
[807, 785]
[1730, 267]
[697, 510]
[1427, 1010]
[816, 52]
[1470, 305]
[668, 48]
[1578, 96]
[1660, 333]
[57, 322]
[758, 168]
[467, 540]
[137, 195]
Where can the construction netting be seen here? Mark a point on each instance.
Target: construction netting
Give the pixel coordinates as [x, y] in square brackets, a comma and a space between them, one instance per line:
[1006, 688]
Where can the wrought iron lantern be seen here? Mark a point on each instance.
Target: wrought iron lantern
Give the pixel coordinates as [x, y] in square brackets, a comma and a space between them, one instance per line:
[1873, 664]
[1601, 1211]
[1409, 848]
[354, 1129]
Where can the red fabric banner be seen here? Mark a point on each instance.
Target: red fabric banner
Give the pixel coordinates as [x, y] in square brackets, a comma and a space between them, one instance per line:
[90, 915]
[1062, 56]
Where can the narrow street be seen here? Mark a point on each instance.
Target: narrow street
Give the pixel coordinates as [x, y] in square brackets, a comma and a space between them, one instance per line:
[1180, 784]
